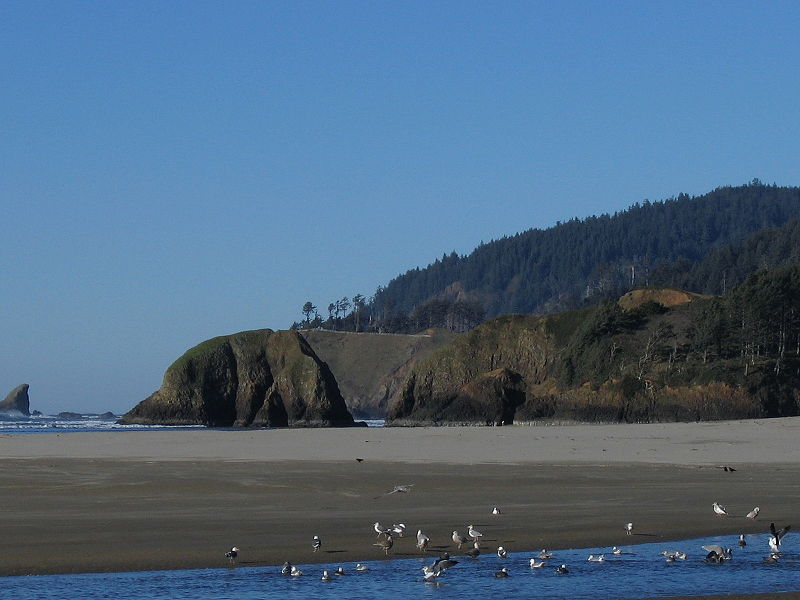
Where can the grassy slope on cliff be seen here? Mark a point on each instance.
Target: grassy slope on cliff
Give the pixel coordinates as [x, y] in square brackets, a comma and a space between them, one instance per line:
[367, 366]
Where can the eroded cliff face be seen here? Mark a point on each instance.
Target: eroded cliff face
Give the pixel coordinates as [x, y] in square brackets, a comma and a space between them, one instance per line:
[17, 400]
[253, 378]
[481, 377]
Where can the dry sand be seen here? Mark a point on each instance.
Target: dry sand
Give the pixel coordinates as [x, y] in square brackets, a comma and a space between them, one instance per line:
[180, 498]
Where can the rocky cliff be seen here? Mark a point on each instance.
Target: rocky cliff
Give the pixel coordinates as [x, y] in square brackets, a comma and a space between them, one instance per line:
[253, 378]
[17, 400]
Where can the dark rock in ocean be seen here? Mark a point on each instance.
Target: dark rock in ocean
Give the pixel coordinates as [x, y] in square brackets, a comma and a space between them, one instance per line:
[107, 416]
[17, 400]
[36, 413]
[260, 378]
[69, 415]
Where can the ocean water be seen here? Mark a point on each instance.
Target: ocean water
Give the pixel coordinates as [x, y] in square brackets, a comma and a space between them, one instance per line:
[640, 572]
[19, 423]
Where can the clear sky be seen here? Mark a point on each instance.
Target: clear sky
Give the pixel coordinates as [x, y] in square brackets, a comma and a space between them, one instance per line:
[173, 171]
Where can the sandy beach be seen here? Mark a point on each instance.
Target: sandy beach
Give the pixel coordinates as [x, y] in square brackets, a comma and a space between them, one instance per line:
[82, 502]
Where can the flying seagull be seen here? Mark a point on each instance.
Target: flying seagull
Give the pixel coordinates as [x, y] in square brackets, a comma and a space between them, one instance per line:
[776, 536]
[459, 539]
[719, 509]
[439, 566]
[398, 489]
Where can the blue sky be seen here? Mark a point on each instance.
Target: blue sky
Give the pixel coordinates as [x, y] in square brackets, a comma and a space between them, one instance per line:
[175, 171]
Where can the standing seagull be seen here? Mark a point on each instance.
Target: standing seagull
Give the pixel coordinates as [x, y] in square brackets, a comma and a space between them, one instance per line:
[629, 528]
[398, 530]
[753, 514]
[232, 554]
[459, 539]
[385, 544]
[495, 511]
[316, 543]
[398, 489]
[473, 533]
[719, 509]
[422, 541]
[380, 529]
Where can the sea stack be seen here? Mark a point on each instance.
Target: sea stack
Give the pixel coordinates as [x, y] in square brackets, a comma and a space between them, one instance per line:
[259, 378]
[17, 400]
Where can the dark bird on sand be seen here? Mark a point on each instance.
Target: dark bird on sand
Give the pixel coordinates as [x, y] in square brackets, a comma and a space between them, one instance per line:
[232, 554]
[385, 544]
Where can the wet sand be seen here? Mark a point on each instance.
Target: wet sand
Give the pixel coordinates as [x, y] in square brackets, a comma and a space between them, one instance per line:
[179, 499]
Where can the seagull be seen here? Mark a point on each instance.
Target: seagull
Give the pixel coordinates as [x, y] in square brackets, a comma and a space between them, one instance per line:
[536, 564]
[326, 576]
[287, 568]
[544, 554]
[339, 571]
[232, 554]
[717, 554]
[502, 573]
[422, 541]
[316, 543]
[398, 530]
[616, 551]
[502, 552]
[398, 489]
[380, 529]
[672, 555]
[495, 511]
[475, 551]
[473, 533]
[629, 528]
[295, 572]
[562, 570]
[742, 541]
[459, 539]
[772, 558]
[439, 566]
[598, 558]
[753, 514]
[719, 509]
[360, 567]
[385, 544]
[776, 536]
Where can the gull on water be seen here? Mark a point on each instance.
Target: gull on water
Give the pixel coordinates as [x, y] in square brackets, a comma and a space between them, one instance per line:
[386, 544]
[719, 509]
[326, 576]
[339, 571]
[232, 554]
[671, 555]
[629, 528]
[616, 551]
[562, 570]
[316, 543]
[544, 554]
[439, 566]
[771, 558]
[422, 541]
[287, 568]
[459, 539]
[473, 533]
[502, 573]
[742, 541]
[717, 554]
[475, 551]
[598, 558]
[753, 514]
[502, 552]
[360, 567]
[536, 564]
[295, 572]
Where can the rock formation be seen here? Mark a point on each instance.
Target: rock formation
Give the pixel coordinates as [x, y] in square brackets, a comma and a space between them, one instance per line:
[17, 400]
[253, 378]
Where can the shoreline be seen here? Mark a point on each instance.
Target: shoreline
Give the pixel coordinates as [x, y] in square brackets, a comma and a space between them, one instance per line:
[132, 501]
